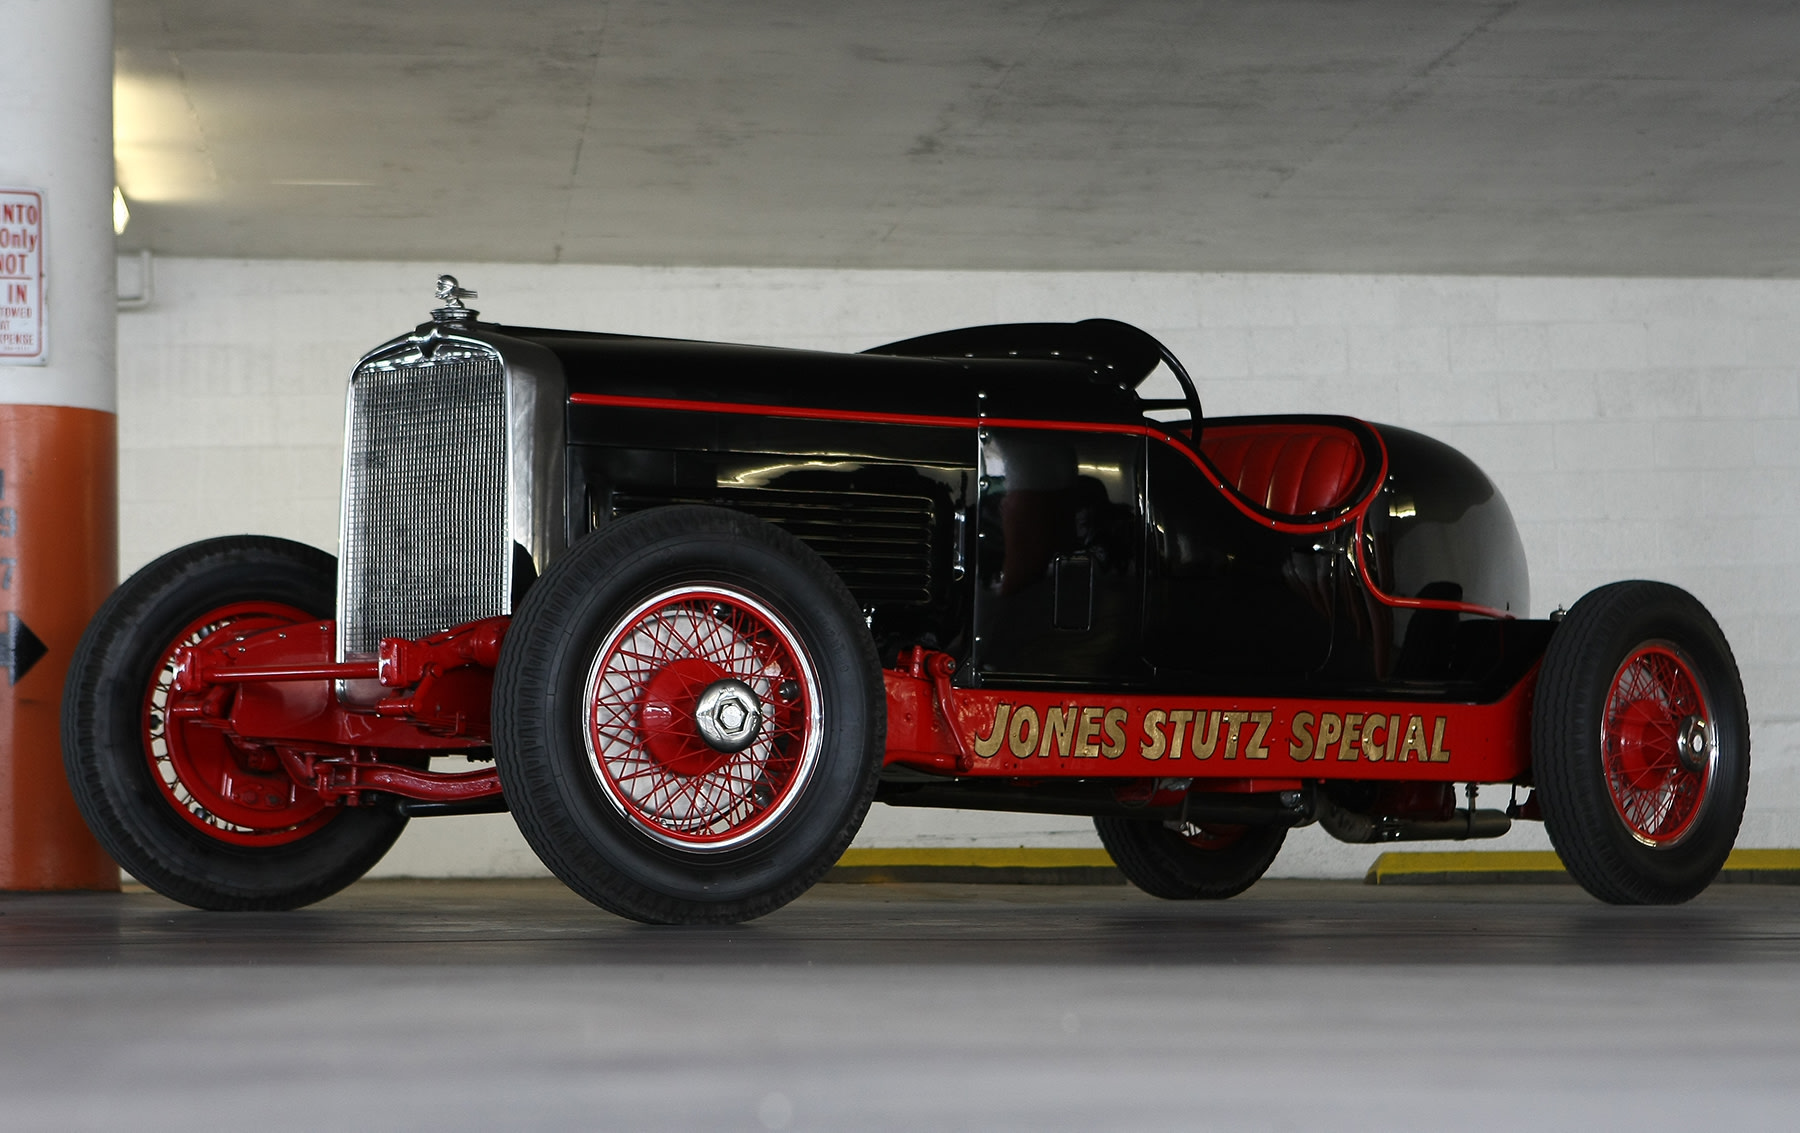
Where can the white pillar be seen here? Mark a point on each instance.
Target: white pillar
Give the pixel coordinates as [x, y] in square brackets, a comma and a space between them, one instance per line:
[58, 484]
[56, 135]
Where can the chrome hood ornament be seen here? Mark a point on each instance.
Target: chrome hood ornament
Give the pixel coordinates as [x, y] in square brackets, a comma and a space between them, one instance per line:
[452, 294]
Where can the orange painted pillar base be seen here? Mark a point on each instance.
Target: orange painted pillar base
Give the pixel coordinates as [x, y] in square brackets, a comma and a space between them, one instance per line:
[58, 562]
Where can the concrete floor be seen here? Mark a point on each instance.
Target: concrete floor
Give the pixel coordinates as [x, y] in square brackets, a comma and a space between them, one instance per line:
[465, 1005]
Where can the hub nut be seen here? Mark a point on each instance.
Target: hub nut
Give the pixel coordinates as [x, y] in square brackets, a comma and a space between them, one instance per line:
[728, 715]
[1695, 742]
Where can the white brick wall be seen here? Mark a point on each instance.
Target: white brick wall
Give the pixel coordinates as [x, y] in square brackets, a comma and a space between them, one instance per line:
[1639, 428]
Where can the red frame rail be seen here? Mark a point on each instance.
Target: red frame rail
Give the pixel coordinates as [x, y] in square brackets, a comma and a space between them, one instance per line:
[934, 726]
[274, 691]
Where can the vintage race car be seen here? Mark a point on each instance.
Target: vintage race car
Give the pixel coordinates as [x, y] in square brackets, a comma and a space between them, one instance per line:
[685, 609]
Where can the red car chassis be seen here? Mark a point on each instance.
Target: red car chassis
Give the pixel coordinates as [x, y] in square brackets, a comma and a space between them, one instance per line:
[271, 695]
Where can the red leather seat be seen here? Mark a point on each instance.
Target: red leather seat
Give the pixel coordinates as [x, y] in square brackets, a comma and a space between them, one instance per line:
[1295, 469]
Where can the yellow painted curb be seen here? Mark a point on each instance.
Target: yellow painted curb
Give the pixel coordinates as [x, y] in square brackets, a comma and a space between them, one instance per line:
[977, 857]
[1420, 867]
[1763, 859]
[1394, 866]
[998, 865]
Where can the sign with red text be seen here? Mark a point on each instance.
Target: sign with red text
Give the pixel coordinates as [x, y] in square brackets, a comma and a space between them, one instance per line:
[22, 325]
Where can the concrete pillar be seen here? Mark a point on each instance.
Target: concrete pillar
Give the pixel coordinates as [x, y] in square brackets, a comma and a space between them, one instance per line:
[58, 484]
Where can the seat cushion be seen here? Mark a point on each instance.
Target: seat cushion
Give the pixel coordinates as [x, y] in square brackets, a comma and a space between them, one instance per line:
[1291, 468]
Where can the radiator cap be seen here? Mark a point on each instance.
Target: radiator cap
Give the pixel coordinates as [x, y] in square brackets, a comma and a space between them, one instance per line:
[452, 294]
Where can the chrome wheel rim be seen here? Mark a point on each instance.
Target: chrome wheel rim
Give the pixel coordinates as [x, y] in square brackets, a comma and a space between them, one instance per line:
[700, 788]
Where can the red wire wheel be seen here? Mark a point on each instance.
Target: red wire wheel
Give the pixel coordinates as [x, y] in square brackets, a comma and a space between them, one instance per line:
[199, 818]
[703, 718]
[689, 716]
[1656, 745]
[1640, 744]
[228, 792]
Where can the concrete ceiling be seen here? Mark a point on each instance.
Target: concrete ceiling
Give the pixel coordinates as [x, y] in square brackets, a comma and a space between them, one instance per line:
[1635, 137]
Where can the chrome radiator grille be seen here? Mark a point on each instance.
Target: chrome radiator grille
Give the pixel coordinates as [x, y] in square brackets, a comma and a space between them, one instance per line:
[425, 540]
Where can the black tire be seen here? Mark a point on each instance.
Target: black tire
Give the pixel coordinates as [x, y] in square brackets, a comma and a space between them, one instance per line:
[108, 725]
[1200, 862]
[602, 804]
[1630, 826]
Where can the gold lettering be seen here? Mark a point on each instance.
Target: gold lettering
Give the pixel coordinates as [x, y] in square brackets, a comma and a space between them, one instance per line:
[1022, 733]
[1059, 727]
[1415, 739]
[1085, 747]
[1155, 743]
[1233, 721]
[1331, 730]
[1393, 735]
[1206, 734]
[1255, 749]
[986, 746]
[1352, 734]
[1115, 733]
[1439, 753]
[1301, 746]
[1179, 718]
[1374, 750]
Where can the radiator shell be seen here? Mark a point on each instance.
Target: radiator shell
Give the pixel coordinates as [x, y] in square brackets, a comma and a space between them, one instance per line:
[452, 484]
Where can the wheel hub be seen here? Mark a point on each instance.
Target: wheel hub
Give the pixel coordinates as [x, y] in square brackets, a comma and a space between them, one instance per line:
[668, 717]
[728, 716]
[1648, 745]
[228, 791]
[1694, 743]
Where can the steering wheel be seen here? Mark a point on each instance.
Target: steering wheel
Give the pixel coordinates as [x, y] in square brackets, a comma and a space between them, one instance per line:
[1189, 399]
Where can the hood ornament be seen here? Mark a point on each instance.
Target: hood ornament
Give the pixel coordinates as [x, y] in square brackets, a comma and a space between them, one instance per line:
[452, 294]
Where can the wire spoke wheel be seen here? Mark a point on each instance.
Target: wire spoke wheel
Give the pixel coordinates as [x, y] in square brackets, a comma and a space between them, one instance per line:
[703, 719]
[689, 716]
[200, 817]
[1656, 745]
[1640, 744]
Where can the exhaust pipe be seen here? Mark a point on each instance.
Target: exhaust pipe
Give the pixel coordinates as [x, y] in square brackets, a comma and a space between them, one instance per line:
[1365, 829]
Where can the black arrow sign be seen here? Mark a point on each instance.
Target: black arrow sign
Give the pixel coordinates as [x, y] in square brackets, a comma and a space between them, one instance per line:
[20, 648]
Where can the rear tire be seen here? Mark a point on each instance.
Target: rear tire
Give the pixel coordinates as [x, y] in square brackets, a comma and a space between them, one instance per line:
[1182, 863]
[117, 742]
[637, 790]
[1641, 744]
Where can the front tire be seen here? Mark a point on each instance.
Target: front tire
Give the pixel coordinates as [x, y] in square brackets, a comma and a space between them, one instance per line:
[689, 717]
[157, 792]
[1641, 744]
[1184, 862]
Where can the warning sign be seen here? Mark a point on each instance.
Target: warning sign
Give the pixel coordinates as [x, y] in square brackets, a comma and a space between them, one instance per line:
[22, 277]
